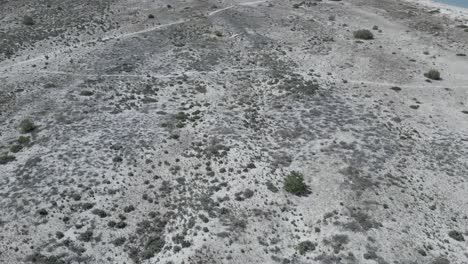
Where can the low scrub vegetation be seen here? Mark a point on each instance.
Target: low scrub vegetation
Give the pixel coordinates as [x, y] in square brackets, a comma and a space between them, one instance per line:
[27, 126]
[305, 246]
[86, 93]
[363, 34]
[22, 140]
[5, 158]
[294, 183]
[28, 21]
[16, 148]
[433, 74]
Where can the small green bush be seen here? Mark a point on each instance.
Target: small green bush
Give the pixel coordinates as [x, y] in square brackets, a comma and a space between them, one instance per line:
[28, 21]
[86, 93]
[305, 246]
[22, 140]
[153, 246]
[16, 148]
[181, 116]
[5, 158]
[363, 34]
[433, 74]
[458, 236]
[86, 236]
[27, 126]
[294, 183]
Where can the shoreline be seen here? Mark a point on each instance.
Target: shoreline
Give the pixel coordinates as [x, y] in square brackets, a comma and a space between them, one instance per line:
[452, 11]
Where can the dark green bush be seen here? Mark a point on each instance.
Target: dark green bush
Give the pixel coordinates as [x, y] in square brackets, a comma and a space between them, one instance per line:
[153, 246]
[86, 93]
[27, 126]
[294, 183]
[305, 246]
[363, 34]
[456, 235]
[16, 148]
[22, 140]
[5, 158]
[86, 236]
[28, 21]
[433, 74]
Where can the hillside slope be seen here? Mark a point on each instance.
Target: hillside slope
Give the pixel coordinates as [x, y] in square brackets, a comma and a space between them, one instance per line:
[163, 131]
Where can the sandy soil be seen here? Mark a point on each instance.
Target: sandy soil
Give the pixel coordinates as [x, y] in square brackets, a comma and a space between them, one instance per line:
[163, 132]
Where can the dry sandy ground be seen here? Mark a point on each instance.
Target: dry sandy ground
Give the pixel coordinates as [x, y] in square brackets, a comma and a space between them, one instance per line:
[167, 138]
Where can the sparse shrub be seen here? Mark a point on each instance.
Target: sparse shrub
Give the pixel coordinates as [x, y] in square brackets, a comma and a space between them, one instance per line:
[248, 193]
[59, 235]
[297, 5]
[24, 140]
[150, 16]
[152, 246]
[119, 241]
[121, 225]
[433, 74]
[129, 208]
[39, 258]
[86, 93]
[86, 236]
[28, 21]
[181, 116]
[50, 85]
[101, 213]
[218, 33]
[117, 159]
[87, 206]
[27, 126]
[458, 236]
[42, 212]
[271, 187]
[440, 260]
[16, 148]
[5, 158]
[294, 183]
[76, 196]
[305, 246]
[363, 34]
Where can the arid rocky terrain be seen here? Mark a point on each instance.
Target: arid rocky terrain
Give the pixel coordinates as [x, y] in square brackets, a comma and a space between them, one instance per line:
[164, 131]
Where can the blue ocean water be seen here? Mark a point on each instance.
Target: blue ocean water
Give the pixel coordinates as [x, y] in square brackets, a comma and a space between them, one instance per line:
[459, 3]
